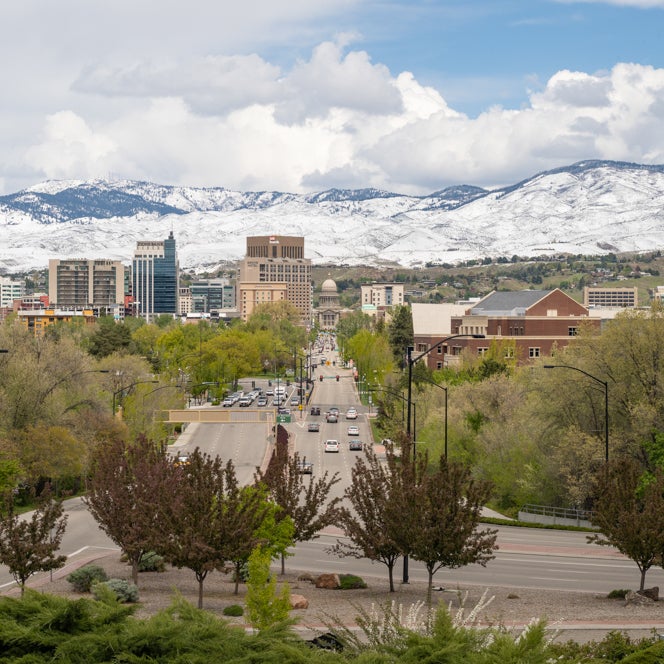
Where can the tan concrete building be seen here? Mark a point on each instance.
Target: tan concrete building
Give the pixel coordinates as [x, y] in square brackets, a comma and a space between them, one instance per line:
[275, 269]
[624, 298]
[85, 283]
[378, 298]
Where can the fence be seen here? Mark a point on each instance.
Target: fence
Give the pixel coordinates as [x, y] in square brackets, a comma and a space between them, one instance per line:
[563, 516]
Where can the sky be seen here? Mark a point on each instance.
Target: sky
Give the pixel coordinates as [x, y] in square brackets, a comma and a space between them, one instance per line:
[408, 96]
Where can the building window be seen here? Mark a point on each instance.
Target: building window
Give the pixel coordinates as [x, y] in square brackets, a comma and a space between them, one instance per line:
[572, 331]
[439, 365]
[482, 351]
[533, 351]
[440, 349]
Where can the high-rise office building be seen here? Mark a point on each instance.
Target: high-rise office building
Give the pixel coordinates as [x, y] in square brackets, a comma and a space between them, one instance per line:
[275, 269]
[80, 283]
[155, 278]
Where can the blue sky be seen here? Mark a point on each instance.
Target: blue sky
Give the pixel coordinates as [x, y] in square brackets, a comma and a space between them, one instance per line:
[304, 95]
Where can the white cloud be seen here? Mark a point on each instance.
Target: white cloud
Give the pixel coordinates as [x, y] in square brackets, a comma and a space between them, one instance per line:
[391, 133]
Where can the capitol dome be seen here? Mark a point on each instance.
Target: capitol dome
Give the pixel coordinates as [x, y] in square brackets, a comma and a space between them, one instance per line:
[329, 286]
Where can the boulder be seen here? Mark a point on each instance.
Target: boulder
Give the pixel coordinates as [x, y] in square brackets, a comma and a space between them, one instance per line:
[636, 598]
[328, 581]
[653, 593]
[299, 602]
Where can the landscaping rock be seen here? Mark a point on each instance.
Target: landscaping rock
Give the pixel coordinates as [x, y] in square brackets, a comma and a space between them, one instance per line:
[299, 602]
[635, 598]
[328, 581]
[653, 593]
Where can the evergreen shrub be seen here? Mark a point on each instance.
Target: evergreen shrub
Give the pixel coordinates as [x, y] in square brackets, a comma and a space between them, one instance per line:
[233, 610]
[351, 582]
[151, 562]
[83, 578]
[124, 591]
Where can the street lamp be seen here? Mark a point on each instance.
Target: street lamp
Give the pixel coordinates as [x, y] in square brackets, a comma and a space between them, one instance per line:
[127, 387]
[605, 384]
[412, 360]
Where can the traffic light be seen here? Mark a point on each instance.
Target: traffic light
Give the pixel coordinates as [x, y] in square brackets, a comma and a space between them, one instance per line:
[320, 378]
[337, 379]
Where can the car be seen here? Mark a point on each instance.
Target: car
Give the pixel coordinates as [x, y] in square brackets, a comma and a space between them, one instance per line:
[334, 410]
[331, 418]
[227, 402]
[261, 401]
[331, 445]
[353, 430]
[355, 445]
[295, 401]
[305, 467]
[269, 392]
[351, 414]
[315, 410]
[313, 426]
[283, 411]
[182, 459]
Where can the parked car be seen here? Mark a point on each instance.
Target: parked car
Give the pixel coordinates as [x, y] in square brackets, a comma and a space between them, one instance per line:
[315, 410]
[355, 445]
[262, 401]
[295, 401]
[331, 418]
[332, 446]
[353, 430]
[227, 402]
[313, 426]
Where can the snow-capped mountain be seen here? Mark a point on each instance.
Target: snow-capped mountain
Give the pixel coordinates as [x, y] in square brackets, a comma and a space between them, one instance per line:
[591, 207]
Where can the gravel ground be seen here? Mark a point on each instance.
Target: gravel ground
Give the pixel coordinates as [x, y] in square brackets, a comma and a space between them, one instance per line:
[578, 616]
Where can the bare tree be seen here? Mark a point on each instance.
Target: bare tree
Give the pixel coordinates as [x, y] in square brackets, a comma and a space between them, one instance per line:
[28, 546]
[128, 486]
[629, 511]
[301, 497]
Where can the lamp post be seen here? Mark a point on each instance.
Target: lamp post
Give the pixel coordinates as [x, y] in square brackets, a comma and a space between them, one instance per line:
[605, 385]
[127, 387]
[411, 361]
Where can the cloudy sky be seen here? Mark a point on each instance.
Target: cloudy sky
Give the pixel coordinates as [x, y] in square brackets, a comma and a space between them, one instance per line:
[303, 95]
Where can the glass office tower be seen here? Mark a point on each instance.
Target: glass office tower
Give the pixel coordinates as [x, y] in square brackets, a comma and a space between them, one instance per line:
[155, 278]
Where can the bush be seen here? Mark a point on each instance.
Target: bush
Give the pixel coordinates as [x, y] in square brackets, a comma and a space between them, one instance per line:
[233, 610]
[124, 591]
[151, 562]
[351, 582]
[83, 578]
[617, 594]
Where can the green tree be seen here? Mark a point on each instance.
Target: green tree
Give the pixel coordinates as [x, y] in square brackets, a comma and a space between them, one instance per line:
[110, 337]
[28, 546]
[265, 607]
[400, 332]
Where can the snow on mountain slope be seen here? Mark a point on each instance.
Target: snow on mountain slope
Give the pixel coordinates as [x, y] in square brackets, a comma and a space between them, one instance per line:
[591, 207]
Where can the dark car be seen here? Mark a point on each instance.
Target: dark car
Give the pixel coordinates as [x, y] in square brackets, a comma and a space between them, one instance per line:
[315, 410]
[313, 426]
[355, 445]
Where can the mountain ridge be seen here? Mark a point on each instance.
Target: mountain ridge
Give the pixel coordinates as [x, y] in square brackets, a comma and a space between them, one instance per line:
[590, 207]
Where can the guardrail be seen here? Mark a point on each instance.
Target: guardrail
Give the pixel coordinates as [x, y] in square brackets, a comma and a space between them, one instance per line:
[555, 515]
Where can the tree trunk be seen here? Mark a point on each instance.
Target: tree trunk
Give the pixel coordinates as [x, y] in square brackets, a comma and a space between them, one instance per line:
[643, 578]
[283, 563]
[238, 570]
[429, 588]
[390, 573]
[200, 592]
[134, 570]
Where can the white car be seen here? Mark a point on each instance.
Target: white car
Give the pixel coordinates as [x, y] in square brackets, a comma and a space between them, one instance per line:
[351, 414]
[332, 446]
[353, 430]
